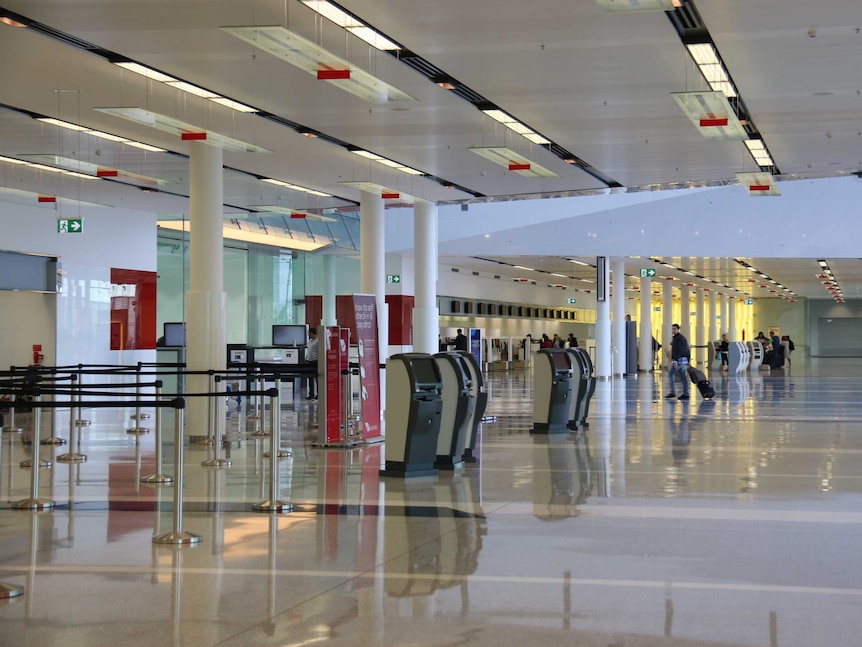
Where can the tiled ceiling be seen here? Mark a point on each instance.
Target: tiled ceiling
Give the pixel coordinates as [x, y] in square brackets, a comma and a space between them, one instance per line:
[597, 84]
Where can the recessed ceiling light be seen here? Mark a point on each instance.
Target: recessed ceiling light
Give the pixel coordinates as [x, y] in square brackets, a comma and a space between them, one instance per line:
[822, 94]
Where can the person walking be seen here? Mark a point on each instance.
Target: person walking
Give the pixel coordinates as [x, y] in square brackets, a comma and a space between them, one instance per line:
[680, 356]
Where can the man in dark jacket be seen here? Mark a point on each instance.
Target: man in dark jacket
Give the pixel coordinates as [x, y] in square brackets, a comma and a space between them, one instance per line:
[680, 355]
[461, 341]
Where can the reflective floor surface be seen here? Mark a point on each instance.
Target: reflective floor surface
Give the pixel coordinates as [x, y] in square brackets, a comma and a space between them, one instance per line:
[736, 521]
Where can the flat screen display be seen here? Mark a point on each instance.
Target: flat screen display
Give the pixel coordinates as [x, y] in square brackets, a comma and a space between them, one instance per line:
[175, 333]
[561, 361]
[425, 371]
[290, 335]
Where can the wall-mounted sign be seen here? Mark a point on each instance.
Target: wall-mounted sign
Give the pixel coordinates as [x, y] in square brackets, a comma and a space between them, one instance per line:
[647, 272]
[393, 278]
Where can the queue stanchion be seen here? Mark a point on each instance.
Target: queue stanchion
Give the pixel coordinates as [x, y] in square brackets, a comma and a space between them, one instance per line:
[282, 453]
[273, 504]
[178, 536]
[215, 426]
[73, 455]
[8, 590]
[138, 416]
[208, 439]
[80, 422]
[157, 477]
[34, 502]
[260, 421]
[12, 428]
[255, 414]
[53, 439]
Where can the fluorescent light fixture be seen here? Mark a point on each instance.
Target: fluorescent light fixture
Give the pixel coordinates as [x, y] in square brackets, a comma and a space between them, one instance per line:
[385, 192]
[99, 134]
[312, 58]
[513, 124]
[571, 260]
[758, 151]
[6, 20]
[293, 213]
[513, 161]
[27, 197]
[233, 105]
[711, 114]
[61, 124]
[145, 71]
[192, 89]
[710, 66]
[181, 128]
[640, 5]
[758, 184]
[234, 231]
[295, 187]
[10, 160]
[82, 169]
[146, 147]
[387, 162]
[351, 24]
[521, 267]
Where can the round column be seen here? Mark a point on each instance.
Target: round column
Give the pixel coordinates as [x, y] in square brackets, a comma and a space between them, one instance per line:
[328, 298]
[702, 353]
[731, 318]
[713, 317]
[666, 316]
[618, 303]
[645, 355]
[425, 311]
[603, 329]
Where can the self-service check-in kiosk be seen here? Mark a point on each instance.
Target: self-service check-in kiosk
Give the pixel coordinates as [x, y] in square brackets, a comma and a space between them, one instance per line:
[755, 348]
[552, 391]
[479, 410]
[582, 407]
[458, 406]
[738, 357]
[413, 412]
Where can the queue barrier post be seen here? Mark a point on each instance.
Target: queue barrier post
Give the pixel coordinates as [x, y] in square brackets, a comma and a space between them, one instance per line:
[273, 504]
[215, 425]
[34, 502]
[73, 455]
[157, 477]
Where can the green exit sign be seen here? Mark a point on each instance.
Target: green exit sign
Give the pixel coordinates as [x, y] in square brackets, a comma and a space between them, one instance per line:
[393, 278]
[647, 272]
[749, 302]
[572, 300]
[70, 225]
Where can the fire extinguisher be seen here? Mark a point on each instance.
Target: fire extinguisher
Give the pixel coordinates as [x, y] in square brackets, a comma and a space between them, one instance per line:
[37, 354]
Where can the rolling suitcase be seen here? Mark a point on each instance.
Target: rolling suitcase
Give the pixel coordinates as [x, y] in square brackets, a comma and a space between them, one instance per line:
[703, 385]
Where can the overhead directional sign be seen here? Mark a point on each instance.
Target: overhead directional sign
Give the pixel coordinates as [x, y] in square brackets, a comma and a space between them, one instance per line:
[749, 302]
[572, 300]
[70, 225]
[647, 272]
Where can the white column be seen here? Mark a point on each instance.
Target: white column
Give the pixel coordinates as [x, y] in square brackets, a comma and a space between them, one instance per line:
[618, 303]
[328, 298]
[714, 334]
[724, 328]
[685, 311]
[666, 317]
[372, 272]
[205, 338]
[645, 355]
[425, 312]
[603, 329]
[731, 318]
[702, 340]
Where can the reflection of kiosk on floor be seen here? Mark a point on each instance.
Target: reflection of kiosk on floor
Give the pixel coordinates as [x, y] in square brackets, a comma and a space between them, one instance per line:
[552, 391]
[458, 406]
[413, 412]
[562, 476]
[481, 396]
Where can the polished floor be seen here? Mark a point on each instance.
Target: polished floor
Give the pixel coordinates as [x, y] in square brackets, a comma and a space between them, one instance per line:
[736, 521]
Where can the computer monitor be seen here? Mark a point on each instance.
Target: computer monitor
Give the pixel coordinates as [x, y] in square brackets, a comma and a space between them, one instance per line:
[175, 333]
[289, 335]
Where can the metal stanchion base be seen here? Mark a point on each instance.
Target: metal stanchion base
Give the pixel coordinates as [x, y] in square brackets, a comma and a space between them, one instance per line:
[217, 462]
[82, 423]
[43, 462]
[138, 430]
[34, 504]
[282, 453]
[253, 416]
[259, 434]
[143, 416]
[10, 590]
[158, 479]
[180, 537]
[72, 457]
[206, 440]
[278, 506]
[12, 430]
[54, 440]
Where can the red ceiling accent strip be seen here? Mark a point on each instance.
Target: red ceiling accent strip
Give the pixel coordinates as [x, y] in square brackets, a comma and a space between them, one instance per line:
[47, 198]
[332, 75]
[713, 121]
[389, 195]
[759, 187]
[106, 172]
[297, 214]
[517, 166]
[192, 136]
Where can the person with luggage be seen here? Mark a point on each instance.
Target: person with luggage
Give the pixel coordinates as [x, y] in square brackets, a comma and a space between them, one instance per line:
[724, 352]
[680, 356]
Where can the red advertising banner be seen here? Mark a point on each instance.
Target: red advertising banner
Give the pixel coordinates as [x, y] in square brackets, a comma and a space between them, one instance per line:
[365, 309]
[333, 383]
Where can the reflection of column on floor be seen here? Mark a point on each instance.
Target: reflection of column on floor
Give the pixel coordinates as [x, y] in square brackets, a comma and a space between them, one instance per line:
[601, 428]
[618, 434]
[647, 395]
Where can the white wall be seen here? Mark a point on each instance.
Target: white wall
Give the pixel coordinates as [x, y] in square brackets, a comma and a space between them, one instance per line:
[111, 238]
